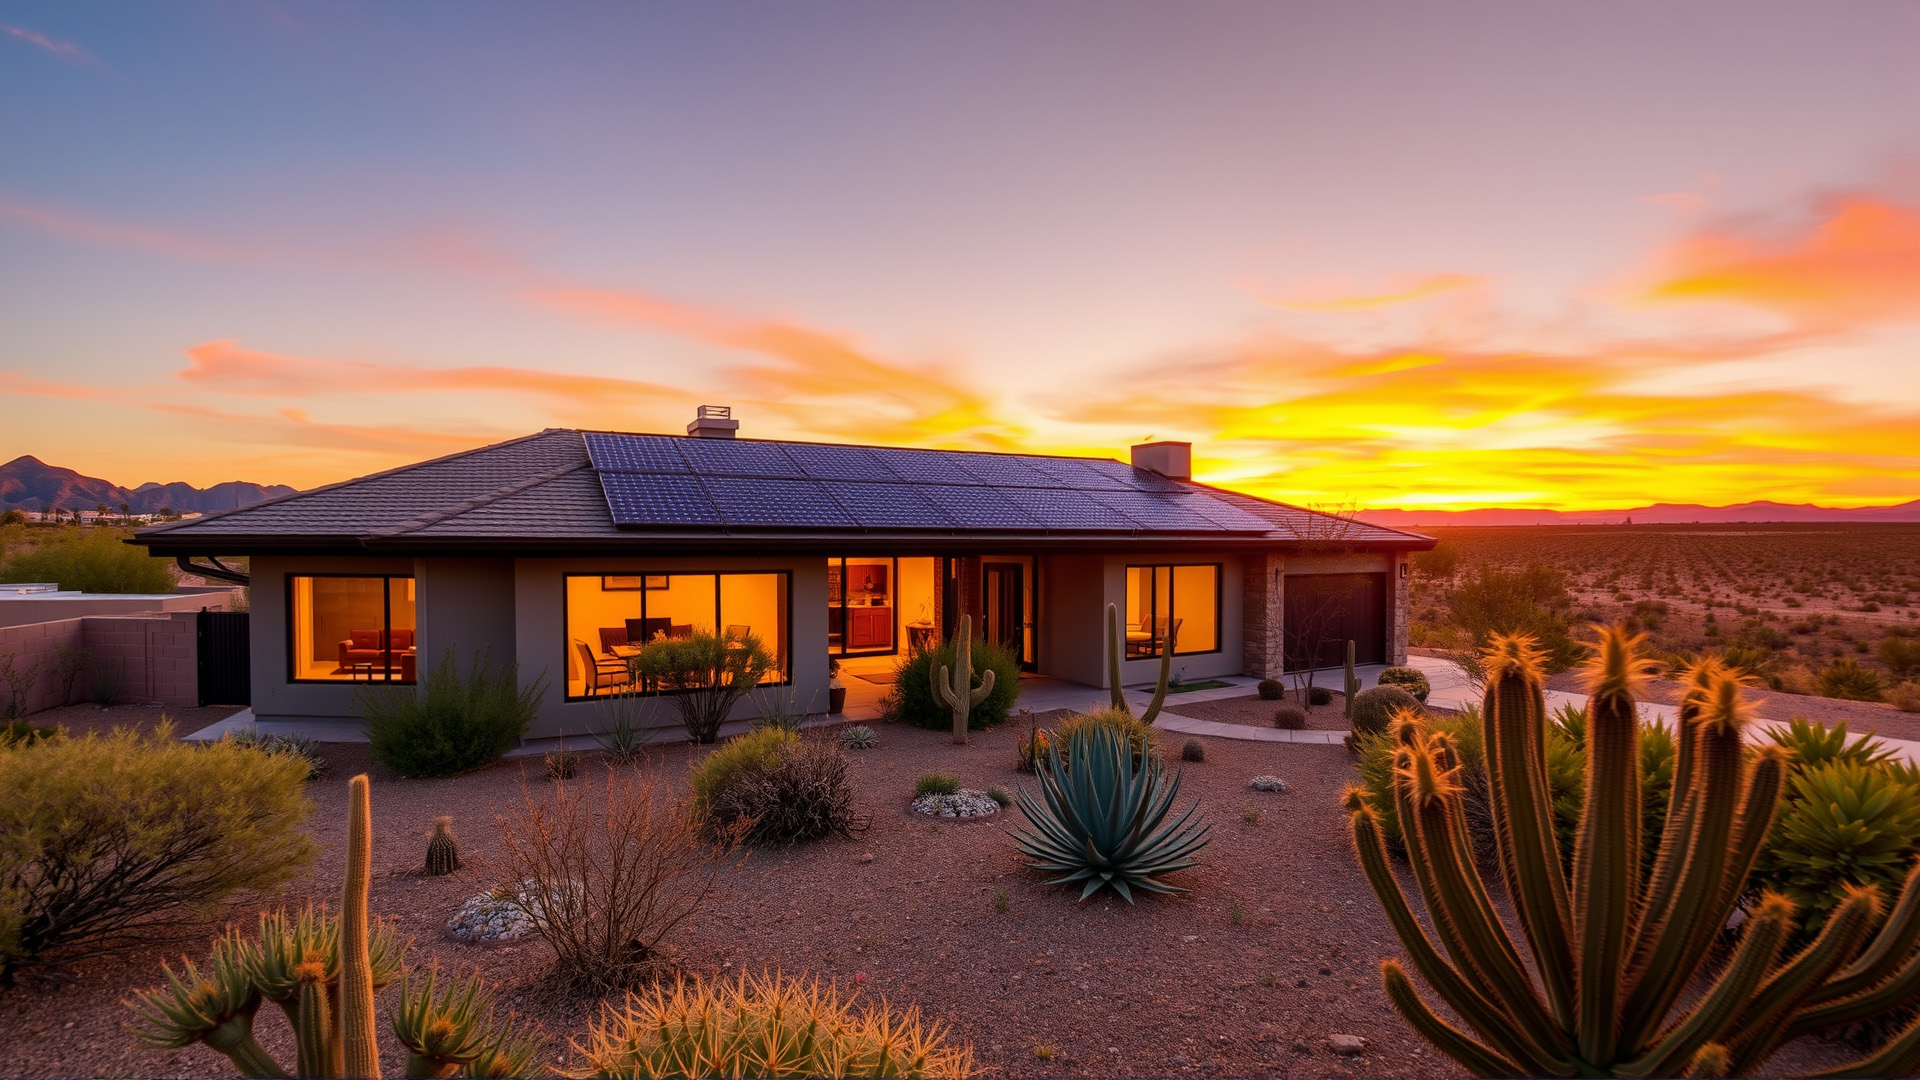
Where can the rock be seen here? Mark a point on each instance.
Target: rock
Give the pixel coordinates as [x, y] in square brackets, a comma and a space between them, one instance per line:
[865, 857]
[1180, 1059]
[1347, 1044]
[1267, 783]
[1301, 981]
[1325, 970]
[965, 803]
[1300, 1046]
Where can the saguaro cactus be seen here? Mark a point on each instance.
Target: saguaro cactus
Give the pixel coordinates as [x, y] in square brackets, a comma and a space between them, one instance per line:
[358, 1038]
[1351, 686]
[954, 688]
[1610, 954]
[1115, 643]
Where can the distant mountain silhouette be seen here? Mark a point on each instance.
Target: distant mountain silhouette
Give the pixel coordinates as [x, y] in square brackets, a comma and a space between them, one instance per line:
[1657, 514]
[27, 483]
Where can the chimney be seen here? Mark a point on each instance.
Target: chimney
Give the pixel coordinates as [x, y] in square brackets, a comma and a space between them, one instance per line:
[713, 422]
[1170, 459]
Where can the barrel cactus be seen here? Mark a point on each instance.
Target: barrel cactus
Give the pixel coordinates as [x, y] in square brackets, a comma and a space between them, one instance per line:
[443, 854]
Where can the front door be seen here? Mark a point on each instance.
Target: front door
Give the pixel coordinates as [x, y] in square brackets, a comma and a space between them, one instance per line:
[1004, 620]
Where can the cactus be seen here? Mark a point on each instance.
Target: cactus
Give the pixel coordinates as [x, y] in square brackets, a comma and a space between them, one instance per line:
[323, 972]
[954, 688]
[443, 854]
[858, 737]
[1114, 645]
[1351, 685]
[1611, 954]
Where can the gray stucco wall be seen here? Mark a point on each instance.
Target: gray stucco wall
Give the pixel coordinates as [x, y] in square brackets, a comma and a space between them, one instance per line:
[466, 605]
[1073, 604]
[274, 696]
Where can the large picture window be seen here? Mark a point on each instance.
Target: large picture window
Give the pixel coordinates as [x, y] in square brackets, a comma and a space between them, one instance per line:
[1183, 599]
[350, 629]
[611, 616]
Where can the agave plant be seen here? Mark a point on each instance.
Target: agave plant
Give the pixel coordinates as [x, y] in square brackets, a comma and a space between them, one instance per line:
[1101, 818]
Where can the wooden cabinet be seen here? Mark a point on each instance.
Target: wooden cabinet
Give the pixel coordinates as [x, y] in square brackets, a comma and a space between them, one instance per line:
[869, 627]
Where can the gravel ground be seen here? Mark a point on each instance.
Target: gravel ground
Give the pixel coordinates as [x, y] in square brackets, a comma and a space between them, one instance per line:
[1274, 949]
[80, 719]
[1254, 712]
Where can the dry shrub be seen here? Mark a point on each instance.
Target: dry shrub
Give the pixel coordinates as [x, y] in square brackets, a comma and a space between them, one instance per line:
[1905, 697]
[612, 875]
[104, 837]
[804, 795]
[766, 1025]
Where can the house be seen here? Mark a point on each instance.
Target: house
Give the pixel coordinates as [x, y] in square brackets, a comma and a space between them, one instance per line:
[565, 549]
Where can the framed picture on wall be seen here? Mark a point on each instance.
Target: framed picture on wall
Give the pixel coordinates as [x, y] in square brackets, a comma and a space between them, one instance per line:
[632, 582]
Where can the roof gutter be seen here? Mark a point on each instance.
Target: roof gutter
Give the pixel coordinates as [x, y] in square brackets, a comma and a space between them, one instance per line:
[219, 571]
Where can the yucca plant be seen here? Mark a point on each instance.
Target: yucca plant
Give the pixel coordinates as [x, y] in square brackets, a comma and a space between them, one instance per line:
[1611, 953]
[765, 1025]
[1101, 819]
[1817, 744]
[323, 971]
[1842, 822]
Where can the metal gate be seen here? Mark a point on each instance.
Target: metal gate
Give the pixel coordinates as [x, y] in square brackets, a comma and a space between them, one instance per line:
[225, 658]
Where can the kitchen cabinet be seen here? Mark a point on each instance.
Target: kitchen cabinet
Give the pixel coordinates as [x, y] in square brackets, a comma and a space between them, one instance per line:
[869, 627]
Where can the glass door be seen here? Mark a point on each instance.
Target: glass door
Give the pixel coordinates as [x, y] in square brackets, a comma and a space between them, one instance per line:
[860, 605]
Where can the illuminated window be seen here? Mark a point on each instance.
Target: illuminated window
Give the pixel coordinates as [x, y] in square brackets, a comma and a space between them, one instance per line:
[350, 629]
[610, 616]
[1181, 599]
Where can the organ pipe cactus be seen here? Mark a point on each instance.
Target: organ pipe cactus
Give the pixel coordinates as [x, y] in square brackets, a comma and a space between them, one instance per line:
[954, 687]
[1610, 953]
[324, 972]
[1115, 643]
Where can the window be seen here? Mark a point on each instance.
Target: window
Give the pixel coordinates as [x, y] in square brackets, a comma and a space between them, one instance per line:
[610, 616]
[350, 629]
[1185, 599]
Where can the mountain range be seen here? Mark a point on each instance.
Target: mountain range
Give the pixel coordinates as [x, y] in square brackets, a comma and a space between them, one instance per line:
[27, 483]
[1656, 514]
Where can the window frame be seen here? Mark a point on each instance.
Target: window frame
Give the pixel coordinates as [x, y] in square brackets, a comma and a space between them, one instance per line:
[1173, 604]
[386, 627]
[566, 619]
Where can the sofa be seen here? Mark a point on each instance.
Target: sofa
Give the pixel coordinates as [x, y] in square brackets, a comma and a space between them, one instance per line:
[373, 646]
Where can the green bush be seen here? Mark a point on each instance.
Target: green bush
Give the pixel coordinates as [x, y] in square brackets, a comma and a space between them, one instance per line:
[1841, 823]
[913, 686]
[1409, 679]
[1373, 708]
[103, 836]
[1141, 737]
[1901, 655]
[1271, 690]
[1531, 601]
[1846, 679]
[448, 724]
[934, 783]
[91, 560]
[757, 750]
[803, 794]
[1319, 695]
[1289, 717]
[707, 674]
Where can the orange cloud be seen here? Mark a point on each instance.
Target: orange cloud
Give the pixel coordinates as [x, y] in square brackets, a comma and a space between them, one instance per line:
[390, 445]
[111, 235]
[1331, 298]
[1858, 261]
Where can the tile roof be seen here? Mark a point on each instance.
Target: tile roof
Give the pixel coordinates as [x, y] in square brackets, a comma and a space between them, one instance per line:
[562, 487]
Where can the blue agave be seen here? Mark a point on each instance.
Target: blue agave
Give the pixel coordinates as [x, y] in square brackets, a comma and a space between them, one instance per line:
[1103, 818]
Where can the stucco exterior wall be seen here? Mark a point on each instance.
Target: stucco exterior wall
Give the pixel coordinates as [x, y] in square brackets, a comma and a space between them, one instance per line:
[275, 696]
[466, 605]
[1073, 610]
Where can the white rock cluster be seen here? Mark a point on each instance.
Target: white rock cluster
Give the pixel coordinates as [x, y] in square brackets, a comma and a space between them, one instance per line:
[501, 914]
[965, 803]
[1267, 783]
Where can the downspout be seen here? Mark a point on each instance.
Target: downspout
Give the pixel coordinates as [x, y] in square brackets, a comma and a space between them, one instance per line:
[217, 572]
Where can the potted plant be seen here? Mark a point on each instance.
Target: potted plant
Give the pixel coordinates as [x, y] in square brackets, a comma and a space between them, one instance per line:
[836, 691]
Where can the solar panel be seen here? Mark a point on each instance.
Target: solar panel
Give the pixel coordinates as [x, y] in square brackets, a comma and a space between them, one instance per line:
[643, 499]
[839, 462]
[891, 506]
[767, 501]
[1063, 509]
[978, 507]
[1228, 516]
[635, 453]
[1004, 470]
[926, 466]
[1176, 512]
[1077, 473]
[728, 457]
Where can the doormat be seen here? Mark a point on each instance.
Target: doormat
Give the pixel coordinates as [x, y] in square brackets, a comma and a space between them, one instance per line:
[884, 678]
[1187, 688]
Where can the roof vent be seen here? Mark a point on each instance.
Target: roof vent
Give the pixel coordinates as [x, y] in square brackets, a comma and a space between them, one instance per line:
[713, 422]
[1170, 459]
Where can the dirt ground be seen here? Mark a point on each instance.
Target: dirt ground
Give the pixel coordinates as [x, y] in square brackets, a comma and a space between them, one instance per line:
[1254, 712]
[80, 719]
[1275, 948]
[1861, 717]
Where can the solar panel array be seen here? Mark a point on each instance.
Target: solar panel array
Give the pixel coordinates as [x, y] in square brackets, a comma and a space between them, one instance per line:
[667, 481]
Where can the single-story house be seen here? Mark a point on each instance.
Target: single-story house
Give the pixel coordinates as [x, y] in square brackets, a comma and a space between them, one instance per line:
[564, 550]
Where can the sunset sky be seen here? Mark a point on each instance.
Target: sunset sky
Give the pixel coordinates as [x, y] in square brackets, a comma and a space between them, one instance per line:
[1418, 255]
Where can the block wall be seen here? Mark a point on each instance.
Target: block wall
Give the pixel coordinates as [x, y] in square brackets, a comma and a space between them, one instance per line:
[156, 659]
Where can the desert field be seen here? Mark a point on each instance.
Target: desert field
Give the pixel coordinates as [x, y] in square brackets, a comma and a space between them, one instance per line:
[1787, 602]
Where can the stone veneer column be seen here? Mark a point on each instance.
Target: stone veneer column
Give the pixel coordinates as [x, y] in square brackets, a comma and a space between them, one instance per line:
[1401, 628]
[1263, 632]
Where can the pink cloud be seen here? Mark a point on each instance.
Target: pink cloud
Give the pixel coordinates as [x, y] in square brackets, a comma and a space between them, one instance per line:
[112, 235]
[65, 50]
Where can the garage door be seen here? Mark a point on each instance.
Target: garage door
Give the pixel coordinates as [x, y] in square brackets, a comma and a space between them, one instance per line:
[1325, 611]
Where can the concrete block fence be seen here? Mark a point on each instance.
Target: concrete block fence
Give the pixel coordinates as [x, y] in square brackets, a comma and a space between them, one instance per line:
[156, 656]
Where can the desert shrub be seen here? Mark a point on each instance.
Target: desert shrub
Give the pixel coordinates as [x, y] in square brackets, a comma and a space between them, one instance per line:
[805, 794]
[756, 750]
[16, 682]
[1289, 716]
[1271, 690]
[613, 874]
[1531, 601]
[1409, 679]
[766, 1025]
[1846, 679]
[1141, 737]
[449, 724]
[21, 732]
[1193, 750]
[1901, 655]
[1752, 660]
[91, 560]
[913, 686]
[1319, 695]
[858, 737]
[304, 747]
[102, 836]
[1374, 707]
[934, 783]
[780, 707]
[707, 675]
[1905, 697]
[1841, 823]
[625, 725]
[1000, 796]
[1440, 562]
[1032, 747]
